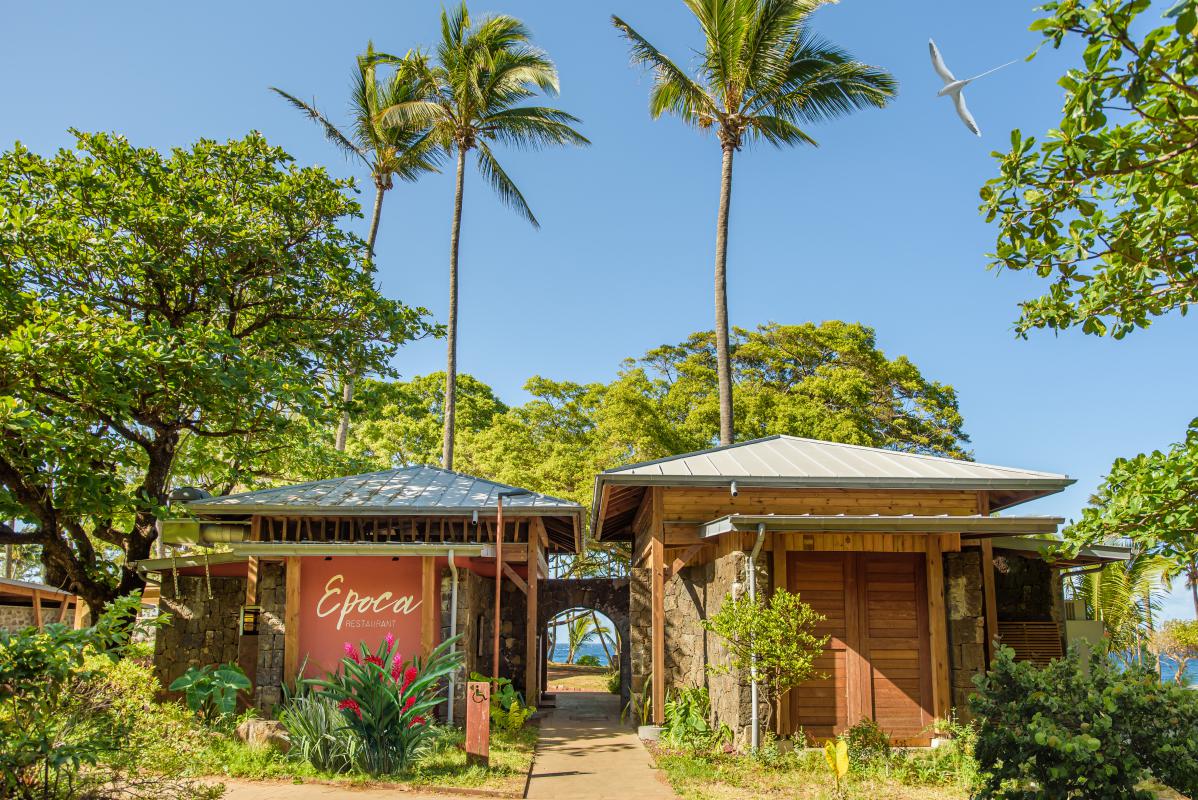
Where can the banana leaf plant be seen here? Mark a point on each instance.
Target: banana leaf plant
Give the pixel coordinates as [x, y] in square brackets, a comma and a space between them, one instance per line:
[388, 703]
[211, 691]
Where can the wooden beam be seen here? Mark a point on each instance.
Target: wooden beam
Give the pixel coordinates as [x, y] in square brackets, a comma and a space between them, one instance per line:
[62, 609]
[781, 581]
[658, 615]
[80, 613]
[989, 599]
[430, 606]
[515, 577]
[532, 628]
[291, 620]
[937, 628]
[682, 560]
[37, 610]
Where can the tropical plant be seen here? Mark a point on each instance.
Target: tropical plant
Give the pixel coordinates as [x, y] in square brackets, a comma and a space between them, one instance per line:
[211, 691]
[1178, 640]
[836, 754]
[1124, 596]
[612, 681]
[1072, 730]
[508, 711]
[761, 77]
[579, 631]
[1103, 206]
[318, 734]
[153, 304]
[685, 720]
[388, 705]
[773, 640]
[403, 151]
[588, 661]
[470, 98]
[868, 744]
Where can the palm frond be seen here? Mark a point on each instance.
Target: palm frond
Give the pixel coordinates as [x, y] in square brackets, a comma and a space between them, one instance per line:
[533, 127]
[777, 131]
[331, 132]
[689, 96]
[724, 24]
[508, 193]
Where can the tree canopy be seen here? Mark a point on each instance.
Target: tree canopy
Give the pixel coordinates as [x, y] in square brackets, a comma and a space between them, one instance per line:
[155, 304]
[1106, 206]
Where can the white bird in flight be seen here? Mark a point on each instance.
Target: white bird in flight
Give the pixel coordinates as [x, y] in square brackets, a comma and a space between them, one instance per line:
[955, 88]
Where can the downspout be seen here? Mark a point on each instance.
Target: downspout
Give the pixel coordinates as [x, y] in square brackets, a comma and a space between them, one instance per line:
[453, 631]
[752, 581]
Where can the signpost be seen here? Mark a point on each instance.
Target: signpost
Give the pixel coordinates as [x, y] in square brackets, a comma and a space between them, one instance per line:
[478, 722]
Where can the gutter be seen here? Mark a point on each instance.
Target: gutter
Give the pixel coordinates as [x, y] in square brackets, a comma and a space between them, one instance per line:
[752, 580]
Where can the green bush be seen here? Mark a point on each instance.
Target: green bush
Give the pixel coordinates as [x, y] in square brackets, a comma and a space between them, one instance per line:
[613, 681]
[508, 711]
[211, 691]
[686, 723]
[1074, 730]
[388, 705]
[588, 661]
[868, 744]
[318, 733]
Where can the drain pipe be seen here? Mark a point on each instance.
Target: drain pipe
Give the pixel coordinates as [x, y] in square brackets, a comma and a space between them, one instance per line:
[752, 581]
[453, 631]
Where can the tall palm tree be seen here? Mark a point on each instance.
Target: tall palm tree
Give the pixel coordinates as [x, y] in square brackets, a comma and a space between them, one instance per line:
[388, 151]
[471, 95]
[762, 76]
[1124, 596]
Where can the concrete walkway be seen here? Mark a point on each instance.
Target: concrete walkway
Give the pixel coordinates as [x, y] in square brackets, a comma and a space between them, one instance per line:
[585, 753]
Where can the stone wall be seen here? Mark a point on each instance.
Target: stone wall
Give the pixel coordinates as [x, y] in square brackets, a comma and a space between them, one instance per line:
[14, 618]
[272, 599]
[202, 630]
[966, 624]
[609, 596]
[1024, 588]
[694, 594]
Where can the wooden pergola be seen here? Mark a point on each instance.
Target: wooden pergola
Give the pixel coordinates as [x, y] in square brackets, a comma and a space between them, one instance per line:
[36, 594]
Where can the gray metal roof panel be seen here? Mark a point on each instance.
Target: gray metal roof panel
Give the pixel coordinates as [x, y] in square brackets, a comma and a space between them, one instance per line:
[423, 488]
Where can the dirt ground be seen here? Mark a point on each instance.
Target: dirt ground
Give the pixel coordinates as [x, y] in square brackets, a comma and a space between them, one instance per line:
[573, 678]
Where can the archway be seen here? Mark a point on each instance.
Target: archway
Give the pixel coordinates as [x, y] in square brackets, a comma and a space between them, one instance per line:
[608, 596]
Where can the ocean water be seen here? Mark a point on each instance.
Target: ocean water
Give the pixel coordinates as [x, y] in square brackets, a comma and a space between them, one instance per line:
[589, 649]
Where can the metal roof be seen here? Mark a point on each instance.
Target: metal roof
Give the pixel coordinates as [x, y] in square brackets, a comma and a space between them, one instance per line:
[1086, 556]
[792, 462]
[815, 462]
[7, 585]
[979, 525]
[406, 491]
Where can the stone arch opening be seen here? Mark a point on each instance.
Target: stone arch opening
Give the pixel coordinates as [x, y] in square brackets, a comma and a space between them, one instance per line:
[608, 596]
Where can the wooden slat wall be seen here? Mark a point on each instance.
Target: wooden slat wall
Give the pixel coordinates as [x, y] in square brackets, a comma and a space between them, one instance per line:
[1038, 642]
[820, 706]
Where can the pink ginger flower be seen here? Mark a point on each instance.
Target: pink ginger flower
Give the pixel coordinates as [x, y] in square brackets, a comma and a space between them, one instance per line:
[411, 701]
[378, 662]
[417, 720]
[351, 653]
[409, 675]
[390, 640]
[352, 705]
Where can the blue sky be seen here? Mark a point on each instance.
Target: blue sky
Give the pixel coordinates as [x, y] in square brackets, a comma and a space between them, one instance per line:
[878, 225]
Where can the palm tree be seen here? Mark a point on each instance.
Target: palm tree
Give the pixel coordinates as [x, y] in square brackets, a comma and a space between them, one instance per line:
[470, 98]
[388, 151]
[762, 75]
[1124, 596]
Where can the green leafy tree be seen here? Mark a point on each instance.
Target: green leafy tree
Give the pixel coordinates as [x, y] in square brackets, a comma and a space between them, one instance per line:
[471, 97]
[1178, 640]
[773, 639]
[762, 77]
[146, 297]
[403, 151]
[1151, 499]
[1125, 596]
[1105, 206]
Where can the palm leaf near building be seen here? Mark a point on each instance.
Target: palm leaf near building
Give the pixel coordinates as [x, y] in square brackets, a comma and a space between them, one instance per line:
[403, 151]
[471, 96]
[763, 77]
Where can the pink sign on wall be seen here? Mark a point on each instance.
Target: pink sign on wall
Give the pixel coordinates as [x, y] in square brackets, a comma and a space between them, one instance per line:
[357, 599]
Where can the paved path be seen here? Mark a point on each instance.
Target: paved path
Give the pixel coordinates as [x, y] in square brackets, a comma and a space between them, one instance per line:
[585, 753]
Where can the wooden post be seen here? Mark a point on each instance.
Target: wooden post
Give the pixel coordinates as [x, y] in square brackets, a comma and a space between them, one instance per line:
[658, 614]
[291, 614]
[80, 612]
[478, 723]
[781, 581]
[247, 646]
[989, 600]
[532, 630]
[37, 610]
[937, 628]
[498, 592]
[430, 608]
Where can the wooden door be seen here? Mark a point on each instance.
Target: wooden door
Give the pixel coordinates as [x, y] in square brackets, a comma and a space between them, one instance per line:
[877, 662]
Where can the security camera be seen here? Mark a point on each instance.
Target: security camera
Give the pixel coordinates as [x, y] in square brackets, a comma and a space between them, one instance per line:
[735, 491]
[474, 519]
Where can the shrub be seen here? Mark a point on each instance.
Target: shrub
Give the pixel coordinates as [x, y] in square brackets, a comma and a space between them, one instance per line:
[508, 712]
[868, 744]
[686, 721]
[318, 732]
[211, 692]
[774, 638]
[1074, 730]
[588, 661]
[614, 684]
[386, 704]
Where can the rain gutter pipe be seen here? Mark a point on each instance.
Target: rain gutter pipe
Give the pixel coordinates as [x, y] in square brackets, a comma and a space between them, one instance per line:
[752, 581]
[499, 578]
[453, 631]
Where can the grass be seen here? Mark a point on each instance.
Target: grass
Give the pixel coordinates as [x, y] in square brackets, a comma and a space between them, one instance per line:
[442, 767]
[575, 678]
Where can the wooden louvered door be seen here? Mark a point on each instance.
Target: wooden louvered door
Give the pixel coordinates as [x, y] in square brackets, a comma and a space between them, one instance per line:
[877, 662]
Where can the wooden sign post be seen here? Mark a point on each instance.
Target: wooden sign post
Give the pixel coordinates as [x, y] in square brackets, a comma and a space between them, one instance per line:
[478, 722]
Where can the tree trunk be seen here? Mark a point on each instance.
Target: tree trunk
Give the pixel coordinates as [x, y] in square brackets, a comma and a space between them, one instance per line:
[1193, 574]
[723, 357]
[347, 390]
[451, 361]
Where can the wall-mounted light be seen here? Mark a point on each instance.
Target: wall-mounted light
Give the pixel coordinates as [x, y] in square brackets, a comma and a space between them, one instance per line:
[735, 491]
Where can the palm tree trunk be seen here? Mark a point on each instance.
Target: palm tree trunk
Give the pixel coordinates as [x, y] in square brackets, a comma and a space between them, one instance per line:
[723, 357]
[451, 361]
[347, 390]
